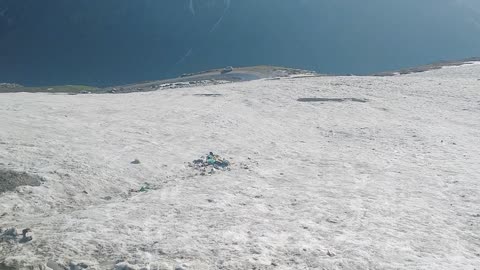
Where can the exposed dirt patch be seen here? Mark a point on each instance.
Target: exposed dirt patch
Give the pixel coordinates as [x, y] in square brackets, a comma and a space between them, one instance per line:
[9, 180]
[208, 95]
[429, 67]
[331, 100]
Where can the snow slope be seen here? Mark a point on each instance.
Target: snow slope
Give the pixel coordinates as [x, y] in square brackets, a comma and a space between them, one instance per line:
[392, 183]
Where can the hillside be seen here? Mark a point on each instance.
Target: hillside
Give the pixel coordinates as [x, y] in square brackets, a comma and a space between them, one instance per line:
[325, 173]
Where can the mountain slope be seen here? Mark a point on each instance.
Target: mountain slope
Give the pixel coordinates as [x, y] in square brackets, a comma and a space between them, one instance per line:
[390, 183]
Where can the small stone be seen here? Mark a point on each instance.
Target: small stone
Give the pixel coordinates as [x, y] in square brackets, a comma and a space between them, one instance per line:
[181, 267]
[256, 251]
[331, 253]
[124, 266]
[160, 266]
[74, 266]
[77, 266]
[332, 220]
[25, 239]
[136, 161]
[25, 231]
[12, 232]
[55, 266]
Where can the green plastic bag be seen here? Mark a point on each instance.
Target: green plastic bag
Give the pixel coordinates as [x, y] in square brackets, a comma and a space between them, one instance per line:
[211, 161]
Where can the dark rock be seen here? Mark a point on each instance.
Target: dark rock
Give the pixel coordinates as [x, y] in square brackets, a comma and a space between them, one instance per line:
[333, 220]
[12, 232]
[83, 265]
[124, 266]
[55, 266]
[74, 266]
[208, 95]
[136, 161]
[181, 267]
[10, 180]
[25, 231]
[25, 239]
[198, 161]
[331, 253]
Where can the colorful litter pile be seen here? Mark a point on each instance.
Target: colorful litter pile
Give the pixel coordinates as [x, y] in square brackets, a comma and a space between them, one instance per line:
[209, 164]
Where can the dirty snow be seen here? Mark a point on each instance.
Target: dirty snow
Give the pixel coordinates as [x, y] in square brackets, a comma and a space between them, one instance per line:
[392, 183]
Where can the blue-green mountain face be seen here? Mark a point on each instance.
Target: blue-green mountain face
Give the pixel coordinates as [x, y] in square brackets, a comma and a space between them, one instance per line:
[110, 42]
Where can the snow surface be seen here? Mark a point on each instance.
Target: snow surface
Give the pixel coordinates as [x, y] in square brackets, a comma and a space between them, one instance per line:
[468, 70]
[392, 183]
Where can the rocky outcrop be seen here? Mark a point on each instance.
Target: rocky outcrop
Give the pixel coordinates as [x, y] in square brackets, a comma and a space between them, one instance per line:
[10, 180]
